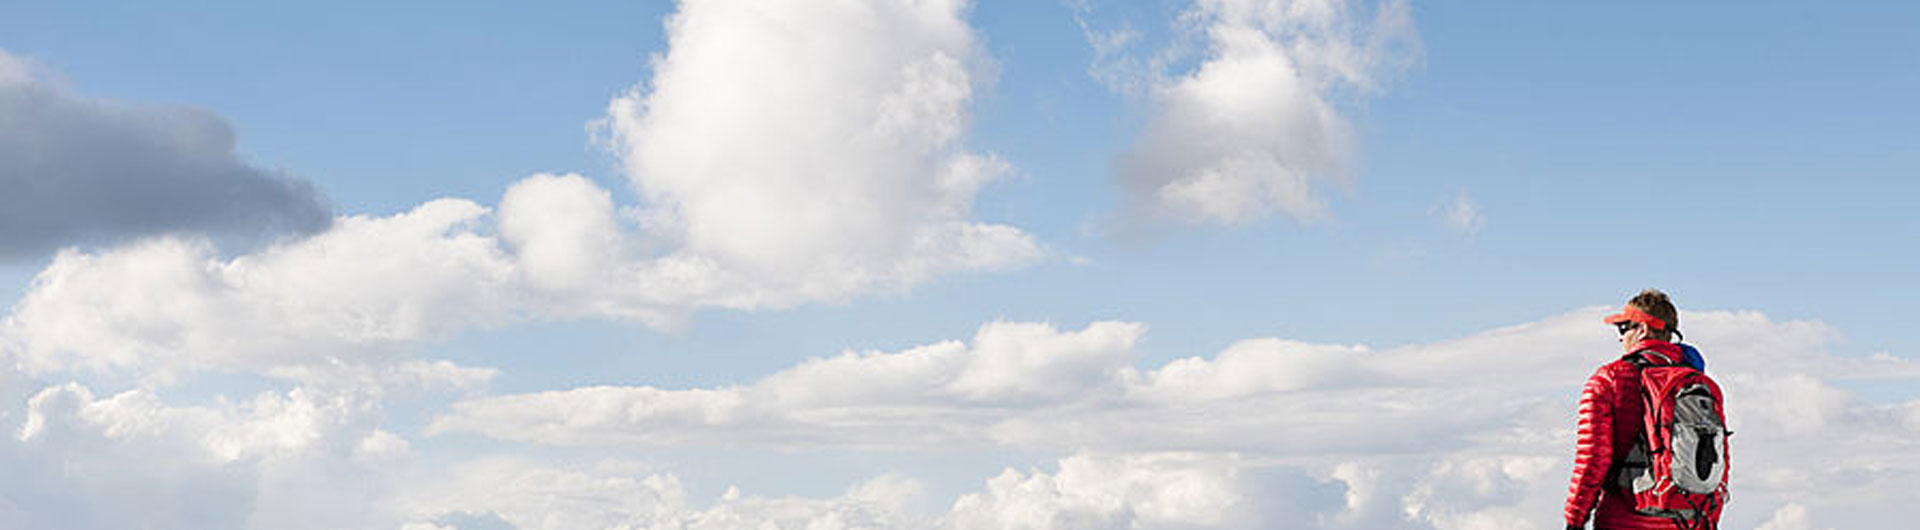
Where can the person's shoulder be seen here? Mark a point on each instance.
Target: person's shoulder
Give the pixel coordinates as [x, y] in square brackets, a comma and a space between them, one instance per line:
[1624, 361]
[1615, 369]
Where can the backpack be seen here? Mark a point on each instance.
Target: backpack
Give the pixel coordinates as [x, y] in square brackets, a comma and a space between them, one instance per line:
[1678, 468]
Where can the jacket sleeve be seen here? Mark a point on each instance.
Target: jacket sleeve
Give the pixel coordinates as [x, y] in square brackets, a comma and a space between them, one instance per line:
[1593, 449]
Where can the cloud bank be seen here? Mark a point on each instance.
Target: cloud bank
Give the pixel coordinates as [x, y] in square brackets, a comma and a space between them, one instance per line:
[1468, 433]
[78, 170]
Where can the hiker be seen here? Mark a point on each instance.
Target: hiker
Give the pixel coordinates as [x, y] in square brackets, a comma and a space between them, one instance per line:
[1625, 478]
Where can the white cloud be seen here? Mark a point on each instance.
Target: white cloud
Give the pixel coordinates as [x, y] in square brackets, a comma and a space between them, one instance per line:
[1793, 516]
[1255, 128]
[534, 497]
[301, 458]
[269, 425]
[381, 446]
[348, 302]
[1092, 492]
[815, 149]
[1486, 492]
[1029, 385]
[1461, 215]
[564, 231]
[893, 492]
[1012, 362]
[575, 258]
[1255, 366]
[374, 379]
[1083, 491]
[351, 295]
[942, 394]
[81, 170]
[528, 495]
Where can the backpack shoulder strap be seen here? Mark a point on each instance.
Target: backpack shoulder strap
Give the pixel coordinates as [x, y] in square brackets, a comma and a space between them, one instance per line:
[1641, 360]
[1638, 360]
[1647, 359]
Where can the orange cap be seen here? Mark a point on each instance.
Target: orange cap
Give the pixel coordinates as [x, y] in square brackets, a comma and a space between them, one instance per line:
[1631, 314]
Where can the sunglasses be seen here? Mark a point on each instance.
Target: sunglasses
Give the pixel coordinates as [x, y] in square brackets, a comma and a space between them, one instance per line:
[1625, 327]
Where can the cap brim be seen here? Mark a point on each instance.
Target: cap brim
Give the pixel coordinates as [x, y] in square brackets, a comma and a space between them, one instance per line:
[1631, 314]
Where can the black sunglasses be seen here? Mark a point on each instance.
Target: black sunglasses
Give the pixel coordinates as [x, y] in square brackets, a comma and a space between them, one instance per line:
[1625, 327]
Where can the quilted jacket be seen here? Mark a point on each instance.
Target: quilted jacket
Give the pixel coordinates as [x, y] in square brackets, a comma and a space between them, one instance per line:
[1610, 422]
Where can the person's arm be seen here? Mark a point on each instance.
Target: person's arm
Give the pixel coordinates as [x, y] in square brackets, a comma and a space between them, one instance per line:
[1593, 448]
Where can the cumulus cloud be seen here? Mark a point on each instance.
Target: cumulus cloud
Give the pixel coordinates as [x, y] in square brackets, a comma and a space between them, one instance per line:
[359, 294]
[815, 149]
[79, 170]
[1133, 491]
[270, 424]
[300, 458]
[346, 297]
[1254, 126]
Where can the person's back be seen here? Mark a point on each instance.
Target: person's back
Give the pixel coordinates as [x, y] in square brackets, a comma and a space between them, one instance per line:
[1611, 418]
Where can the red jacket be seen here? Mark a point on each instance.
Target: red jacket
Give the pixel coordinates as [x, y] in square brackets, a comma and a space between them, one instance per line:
[1610, 423]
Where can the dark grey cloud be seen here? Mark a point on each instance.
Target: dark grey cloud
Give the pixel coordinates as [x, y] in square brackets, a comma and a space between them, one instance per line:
[77, 170]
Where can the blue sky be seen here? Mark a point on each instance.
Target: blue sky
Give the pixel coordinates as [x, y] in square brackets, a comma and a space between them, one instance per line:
[1762, 149]
[1746, 157]
[1767, 148]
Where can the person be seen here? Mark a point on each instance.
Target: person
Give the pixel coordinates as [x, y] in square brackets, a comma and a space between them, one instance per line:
[1611, 412]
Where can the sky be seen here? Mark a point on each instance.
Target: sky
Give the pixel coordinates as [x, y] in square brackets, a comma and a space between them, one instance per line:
[936, 264]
